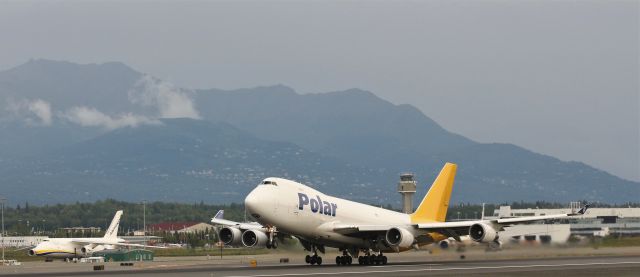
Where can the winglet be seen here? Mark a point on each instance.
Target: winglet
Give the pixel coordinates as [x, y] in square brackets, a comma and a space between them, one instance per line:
[219, 214]
[433, 207]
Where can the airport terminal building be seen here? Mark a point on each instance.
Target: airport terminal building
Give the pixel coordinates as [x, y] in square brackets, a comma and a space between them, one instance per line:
[22, 241]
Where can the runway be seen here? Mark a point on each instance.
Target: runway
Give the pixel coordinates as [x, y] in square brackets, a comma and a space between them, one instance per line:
[558, 266]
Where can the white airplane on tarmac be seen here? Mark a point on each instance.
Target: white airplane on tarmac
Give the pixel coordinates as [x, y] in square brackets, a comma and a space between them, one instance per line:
[284, 207]
[68, 248]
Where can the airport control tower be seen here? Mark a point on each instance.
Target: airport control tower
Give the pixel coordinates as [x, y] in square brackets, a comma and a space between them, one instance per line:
[407, 187]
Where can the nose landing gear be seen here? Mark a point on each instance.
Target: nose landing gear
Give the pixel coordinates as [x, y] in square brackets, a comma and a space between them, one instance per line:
[272, 245]
[273, 242]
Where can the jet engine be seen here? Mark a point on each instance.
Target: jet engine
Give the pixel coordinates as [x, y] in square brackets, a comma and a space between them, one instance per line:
[254, 238]
[230, 236]
[444, 244]
[399, 237]
[90, 248]
[31, 252]
[482, 232]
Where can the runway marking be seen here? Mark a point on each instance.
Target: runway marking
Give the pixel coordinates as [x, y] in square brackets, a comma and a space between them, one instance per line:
[401, 265]
[432, 269]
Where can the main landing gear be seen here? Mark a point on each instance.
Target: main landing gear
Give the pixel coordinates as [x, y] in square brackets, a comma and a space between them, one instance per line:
[367, 259]
[372, 259]
[345, 259]
[313, 259]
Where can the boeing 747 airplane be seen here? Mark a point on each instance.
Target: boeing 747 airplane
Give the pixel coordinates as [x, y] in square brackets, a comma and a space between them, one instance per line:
[284, 207]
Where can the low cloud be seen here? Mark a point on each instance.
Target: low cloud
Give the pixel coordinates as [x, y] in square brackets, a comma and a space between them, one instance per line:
[168, 101]
[171, 102]
[42, 109]
[35, 112]
[90, 117]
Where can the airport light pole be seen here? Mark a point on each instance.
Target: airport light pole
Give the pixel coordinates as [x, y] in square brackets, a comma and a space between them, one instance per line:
[144, 223]
[2, 200]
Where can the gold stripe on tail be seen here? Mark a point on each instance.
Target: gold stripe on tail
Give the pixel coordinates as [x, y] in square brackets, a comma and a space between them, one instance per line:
[433, 207]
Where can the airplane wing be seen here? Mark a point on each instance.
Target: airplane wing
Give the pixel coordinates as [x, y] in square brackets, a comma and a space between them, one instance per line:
[219, 220]
[137, 245]
[454, 229]
[93, 241]
[239, 225]
[347, 229]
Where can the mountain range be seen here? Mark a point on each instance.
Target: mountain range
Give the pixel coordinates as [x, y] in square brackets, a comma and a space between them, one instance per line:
[74, 132]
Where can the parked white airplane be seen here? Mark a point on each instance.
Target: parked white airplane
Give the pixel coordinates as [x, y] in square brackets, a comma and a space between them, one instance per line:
[67, 248]
[286, 207]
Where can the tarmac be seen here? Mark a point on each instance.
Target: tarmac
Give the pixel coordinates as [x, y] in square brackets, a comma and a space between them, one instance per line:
[622, 261]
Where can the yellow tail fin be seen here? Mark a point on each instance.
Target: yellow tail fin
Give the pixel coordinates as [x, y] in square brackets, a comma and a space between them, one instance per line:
[433, 207]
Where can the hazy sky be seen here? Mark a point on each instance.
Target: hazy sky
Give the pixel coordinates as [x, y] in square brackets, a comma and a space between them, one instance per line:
[557, 77]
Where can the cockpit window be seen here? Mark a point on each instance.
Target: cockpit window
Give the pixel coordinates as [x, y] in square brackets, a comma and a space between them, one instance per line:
[269, 183]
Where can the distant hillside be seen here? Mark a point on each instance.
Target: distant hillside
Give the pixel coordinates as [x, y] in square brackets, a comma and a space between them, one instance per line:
[349, 143]
[353, 125]
[505, 172]
[179, 159]
[64, 84]
[357, 127]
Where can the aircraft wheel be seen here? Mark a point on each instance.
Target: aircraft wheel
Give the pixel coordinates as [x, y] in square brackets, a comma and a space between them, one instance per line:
[268, 245]
[338, 260]
[384, 260]
[307, 259]
[319, 260]
[313, 260]
[274, 244]
[360, 260]
[371, 260]
[349, 260]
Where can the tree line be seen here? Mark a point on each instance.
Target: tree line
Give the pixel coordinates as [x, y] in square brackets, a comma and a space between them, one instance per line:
[28, 219]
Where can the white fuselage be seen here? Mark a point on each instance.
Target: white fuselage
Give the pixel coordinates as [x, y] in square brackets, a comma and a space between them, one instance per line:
[293, 208]
[62, 248]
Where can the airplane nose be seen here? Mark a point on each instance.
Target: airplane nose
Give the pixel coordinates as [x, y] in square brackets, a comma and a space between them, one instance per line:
[251, 201]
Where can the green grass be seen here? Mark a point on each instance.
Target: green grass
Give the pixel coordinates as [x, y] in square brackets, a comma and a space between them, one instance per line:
[616, 242]
[21, 255]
